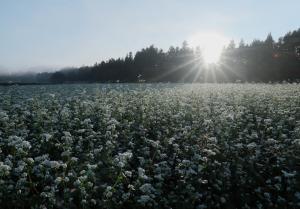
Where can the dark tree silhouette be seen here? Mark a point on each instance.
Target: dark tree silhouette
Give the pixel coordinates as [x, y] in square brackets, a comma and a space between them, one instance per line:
[260, 61]
[58, 77]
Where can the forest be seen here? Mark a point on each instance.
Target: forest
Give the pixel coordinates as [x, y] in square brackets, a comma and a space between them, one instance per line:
[259, 61]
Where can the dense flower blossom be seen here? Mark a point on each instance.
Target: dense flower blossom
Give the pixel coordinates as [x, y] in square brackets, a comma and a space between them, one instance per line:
[150, 146]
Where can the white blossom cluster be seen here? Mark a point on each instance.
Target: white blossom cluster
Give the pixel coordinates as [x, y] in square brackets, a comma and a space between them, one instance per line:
[173, 146]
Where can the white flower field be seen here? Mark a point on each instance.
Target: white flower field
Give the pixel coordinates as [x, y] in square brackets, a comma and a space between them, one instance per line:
[189, 146]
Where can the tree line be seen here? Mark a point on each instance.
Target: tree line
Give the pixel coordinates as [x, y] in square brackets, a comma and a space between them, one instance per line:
[259, 61]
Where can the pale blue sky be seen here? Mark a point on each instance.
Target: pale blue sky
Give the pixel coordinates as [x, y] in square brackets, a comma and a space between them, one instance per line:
[35, 34]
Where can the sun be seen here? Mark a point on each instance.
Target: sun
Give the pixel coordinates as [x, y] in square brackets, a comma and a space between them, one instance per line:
[210, 43]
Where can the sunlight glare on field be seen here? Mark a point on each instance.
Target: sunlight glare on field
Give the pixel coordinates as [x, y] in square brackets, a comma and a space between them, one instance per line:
[210, 43]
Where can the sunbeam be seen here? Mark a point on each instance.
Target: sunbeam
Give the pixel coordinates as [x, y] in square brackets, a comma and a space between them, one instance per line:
[210, 43]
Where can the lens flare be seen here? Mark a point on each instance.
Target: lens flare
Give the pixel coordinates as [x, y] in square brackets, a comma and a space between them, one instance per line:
[210, 43]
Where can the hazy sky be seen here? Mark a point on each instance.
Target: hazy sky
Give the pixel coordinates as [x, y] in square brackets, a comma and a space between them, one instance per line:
[36, 34]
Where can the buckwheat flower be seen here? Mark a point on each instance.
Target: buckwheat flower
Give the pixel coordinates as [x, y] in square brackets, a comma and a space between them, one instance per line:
[213, 140]
[271, 141]
[176, 147]
[8, 161]
[147, 188]
[141, 173]
[171, 140]
[77, 182]
[207, 122]
[20, 168]
[277, 186]
[42, 158]
[63, 165]
[251, 145]
[109, 144]
[30, 160]
[44, 194]
[268, 121]
[296, 142]
[267, 195]
[81, 131]
[130, 187]
[58, 180]
[113, 121]
[128, 174]
[4, 169]
[289, 175]
[54, 164]
[144, 199]
[125, 196]
[98, 150]
[25, 144]
[159, 177]
[277, 178]
[239, 145]
[186, 162]
[154, 143]
[3, 116]
[196, 157]
[126, 155]
[108, 192]
[74, 159]
[203, 181]
[87, 121]
[202, 206]
[122, 158]
[91, 166]
[163, 156]
[254, 135]
[47, 137]
[65, 113]
[230, 116]
[67, 133]
[142, 160]
[209, 152]
[284, 136]
[93, 201]
[111, 127]
[89, 184]
[43, 207]
[66, 153]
